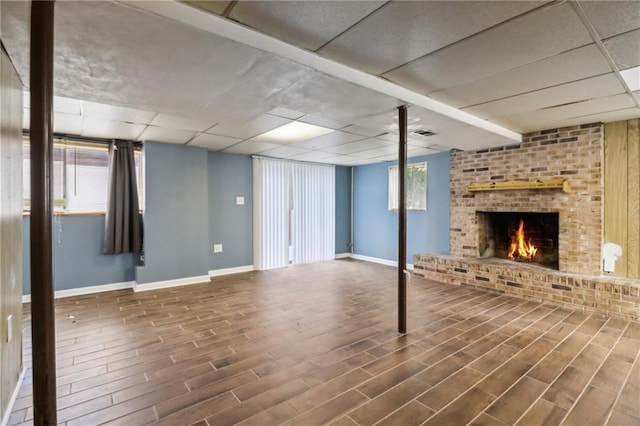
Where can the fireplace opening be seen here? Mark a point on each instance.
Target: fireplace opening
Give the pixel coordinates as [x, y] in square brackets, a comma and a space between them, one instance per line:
[519, 237]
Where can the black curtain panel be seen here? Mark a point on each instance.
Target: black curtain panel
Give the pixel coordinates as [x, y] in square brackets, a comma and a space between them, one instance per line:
[123, 223]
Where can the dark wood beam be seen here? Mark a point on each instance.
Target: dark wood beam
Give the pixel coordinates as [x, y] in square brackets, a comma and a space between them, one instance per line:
[42, 308]
[402, 221]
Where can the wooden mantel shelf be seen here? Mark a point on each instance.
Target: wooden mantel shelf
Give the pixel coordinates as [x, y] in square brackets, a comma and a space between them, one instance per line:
[556, 183]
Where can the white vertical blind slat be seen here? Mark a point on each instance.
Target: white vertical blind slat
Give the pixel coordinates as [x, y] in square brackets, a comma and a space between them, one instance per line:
[294, 206]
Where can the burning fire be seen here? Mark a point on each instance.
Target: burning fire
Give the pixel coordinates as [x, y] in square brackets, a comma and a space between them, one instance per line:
[520, 247]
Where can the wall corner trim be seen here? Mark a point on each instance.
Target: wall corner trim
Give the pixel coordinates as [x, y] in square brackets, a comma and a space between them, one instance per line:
[156, 285]
[342, 255]
[14, 396]
[378, 260]
[229, 271]
[81, 291]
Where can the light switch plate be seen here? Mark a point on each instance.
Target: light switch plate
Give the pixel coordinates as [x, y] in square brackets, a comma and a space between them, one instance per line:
[240, 201]
[217, 248]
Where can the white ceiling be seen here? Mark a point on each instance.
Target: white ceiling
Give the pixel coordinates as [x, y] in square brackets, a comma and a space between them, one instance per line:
[164, 71]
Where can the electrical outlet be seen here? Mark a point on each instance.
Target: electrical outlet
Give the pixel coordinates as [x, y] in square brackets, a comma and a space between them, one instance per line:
[240, 201]
[9, 328]
[217, 248]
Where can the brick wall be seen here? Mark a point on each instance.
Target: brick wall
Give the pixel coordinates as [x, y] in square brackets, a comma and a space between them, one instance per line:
[574, 153]
[616, 297]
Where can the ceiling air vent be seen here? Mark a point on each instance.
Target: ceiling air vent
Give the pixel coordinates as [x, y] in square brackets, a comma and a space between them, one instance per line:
[424, 132]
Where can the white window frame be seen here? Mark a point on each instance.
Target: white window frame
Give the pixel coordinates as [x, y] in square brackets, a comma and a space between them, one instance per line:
[61, 205]
[410, 190]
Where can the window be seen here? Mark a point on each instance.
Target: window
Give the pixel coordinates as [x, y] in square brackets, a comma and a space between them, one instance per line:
[80, 176]
[416, 187]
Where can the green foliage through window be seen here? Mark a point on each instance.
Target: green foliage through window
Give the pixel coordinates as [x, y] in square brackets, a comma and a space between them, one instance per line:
[416, 187]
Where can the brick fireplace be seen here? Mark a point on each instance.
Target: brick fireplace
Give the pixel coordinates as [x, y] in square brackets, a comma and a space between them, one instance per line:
[572, 274]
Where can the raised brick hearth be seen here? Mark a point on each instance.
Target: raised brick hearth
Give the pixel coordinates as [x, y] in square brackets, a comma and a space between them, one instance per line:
[574, 153]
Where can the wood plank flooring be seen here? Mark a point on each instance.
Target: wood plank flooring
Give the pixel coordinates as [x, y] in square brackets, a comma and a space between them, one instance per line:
[317, 344]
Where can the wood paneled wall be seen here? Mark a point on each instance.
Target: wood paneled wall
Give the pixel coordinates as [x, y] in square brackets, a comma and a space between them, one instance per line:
[10, 230]
[622, 193]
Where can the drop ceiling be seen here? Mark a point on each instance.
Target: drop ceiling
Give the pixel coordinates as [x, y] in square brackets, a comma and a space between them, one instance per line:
[218, 74]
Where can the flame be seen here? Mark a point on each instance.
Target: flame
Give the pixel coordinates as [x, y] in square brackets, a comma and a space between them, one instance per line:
[520, 246]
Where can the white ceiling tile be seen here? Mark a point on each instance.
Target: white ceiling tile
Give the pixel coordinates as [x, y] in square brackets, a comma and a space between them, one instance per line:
[420, 142]
[362, 131]
[362, 145]
[323, 122]
[559, 116]
[116, 54]
[313, 156]
[183, 123]
[413, 29]
[110, 112]
[577, 91]
[612, 17]
[389, 137]
[306, 24]
[569, 66]
[611, 116]
[284, 152]
[255, 127]
[250, 147]
[329, 97]
[625, 49]
[357, 162]
[417, 152]
[340, 160]
[390, 157]
[213, 142]
[218, 7]
[66, 105]
[109, 129]
[68, 124]
[286, 113]
[328, 140]
[377, 152]
[553, 29]
[163, 134]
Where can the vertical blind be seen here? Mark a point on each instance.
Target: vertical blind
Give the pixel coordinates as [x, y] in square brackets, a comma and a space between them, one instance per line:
[294, 217]
[272, 203]
[313, 215]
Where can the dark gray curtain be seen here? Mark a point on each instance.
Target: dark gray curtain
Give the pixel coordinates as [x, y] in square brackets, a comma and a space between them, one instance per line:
[123, 224]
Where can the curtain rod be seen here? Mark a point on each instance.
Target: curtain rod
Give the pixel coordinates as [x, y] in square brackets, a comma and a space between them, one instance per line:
[101, 141]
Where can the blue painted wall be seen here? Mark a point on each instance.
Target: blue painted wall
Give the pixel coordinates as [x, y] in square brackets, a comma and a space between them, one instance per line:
[190, 206]
[343, 209]
[376, 227]
[77, 255]
[231, 225]
[176, 213]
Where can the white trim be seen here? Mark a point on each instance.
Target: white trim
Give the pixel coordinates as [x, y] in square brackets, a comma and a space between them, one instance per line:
[342, 255]
[379, 260]
[14, 396]
[201, 279]
[81, 291]
[229, 271]
[233, 31]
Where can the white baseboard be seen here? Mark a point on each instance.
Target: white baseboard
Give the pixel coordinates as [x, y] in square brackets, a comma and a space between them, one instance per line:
[342, 255]
[229, 271]
[379, 260]
[201, 279]
[81, 291]
[14, 396]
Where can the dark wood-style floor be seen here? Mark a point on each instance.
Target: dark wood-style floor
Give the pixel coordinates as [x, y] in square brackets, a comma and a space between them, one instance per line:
[317, 344]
